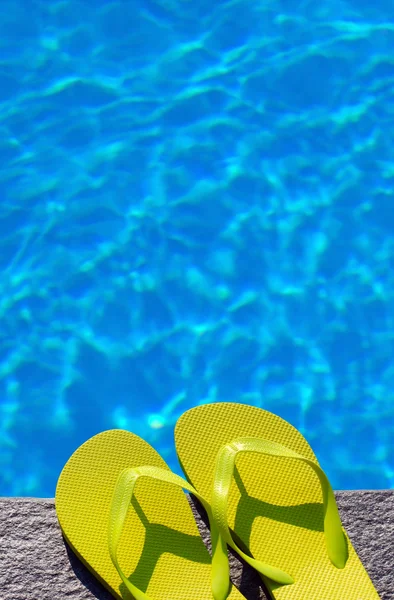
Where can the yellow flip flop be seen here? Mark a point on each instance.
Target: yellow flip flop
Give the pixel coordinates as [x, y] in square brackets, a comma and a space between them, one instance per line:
[271, 501]
[124, 514]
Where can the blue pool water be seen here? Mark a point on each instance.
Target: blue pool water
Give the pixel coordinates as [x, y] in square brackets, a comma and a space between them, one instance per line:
[196, 205]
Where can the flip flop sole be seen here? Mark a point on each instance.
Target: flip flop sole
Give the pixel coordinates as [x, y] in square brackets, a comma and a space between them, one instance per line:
[160, 548]
[275, 504]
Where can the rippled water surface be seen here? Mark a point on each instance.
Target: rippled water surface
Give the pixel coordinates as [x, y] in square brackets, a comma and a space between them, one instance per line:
[196, 205]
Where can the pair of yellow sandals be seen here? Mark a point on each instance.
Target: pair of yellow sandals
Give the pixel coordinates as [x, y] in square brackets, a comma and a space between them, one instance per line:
[125, 514]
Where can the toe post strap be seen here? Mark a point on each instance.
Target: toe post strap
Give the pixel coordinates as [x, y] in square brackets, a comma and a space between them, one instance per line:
[225, 463]
[121, 501]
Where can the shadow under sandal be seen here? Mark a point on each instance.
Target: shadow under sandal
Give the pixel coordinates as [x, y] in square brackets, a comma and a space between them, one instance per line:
[125, 515]
[271, 501]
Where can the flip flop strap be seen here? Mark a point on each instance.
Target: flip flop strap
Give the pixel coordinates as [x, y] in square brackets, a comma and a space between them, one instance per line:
[122, 496]
[225, 463]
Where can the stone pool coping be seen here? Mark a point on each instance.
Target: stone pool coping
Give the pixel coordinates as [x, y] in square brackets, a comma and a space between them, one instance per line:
[36, 564]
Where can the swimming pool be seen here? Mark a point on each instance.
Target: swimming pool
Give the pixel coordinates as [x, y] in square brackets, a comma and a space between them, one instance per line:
[196, 206]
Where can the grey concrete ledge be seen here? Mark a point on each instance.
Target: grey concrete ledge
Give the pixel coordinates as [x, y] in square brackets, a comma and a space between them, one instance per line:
[36, 564]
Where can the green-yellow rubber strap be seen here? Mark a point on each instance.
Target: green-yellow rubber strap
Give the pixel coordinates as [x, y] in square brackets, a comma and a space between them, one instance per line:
[225, 462]
[121, 499]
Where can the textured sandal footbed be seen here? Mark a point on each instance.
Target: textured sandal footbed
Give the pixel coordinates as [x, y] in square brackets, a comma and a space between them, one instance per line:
[160, 549]
[275, 504]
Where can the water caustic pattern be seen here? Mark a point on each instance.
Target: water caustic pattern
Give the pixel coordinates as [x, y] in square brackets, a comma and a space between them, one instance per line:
[196, 204]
